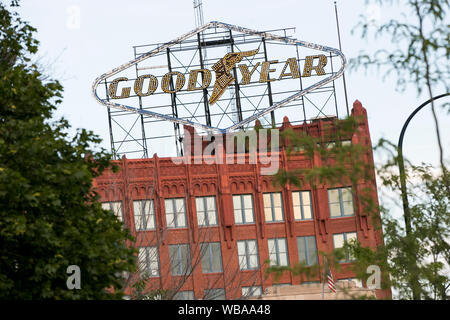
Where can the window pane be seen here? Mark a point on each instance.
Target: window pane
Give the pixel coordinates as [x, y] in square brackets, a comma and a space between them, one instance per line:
[272, 252]
[168, 204]
[142, 257]
[266, 199]
[346, 142]
[148, 261]
[276, 199]
[253, 261]
[242, 262]
[184, 295]
[333, 196]
[348, 208]
[214, 294]
[137, 215]
[296, 198]
[251, 246]
[283, 259]
[179, 259]
[212, 258]
[278, 214]
[297, 213]
[271, 243]
[282, 245]
[217, 258]
[211, 203]
[236, 202]
[351, 236]
[179, 205]
[174, 259]
[241, 247]
[137, 208]
[150, 215]
[335, 210]
[144, 215]
[185, 258]
[251, 291]
[170, 220]
[312, 251]
[249, 216]
[268, 214]
[201, 218]
[301, 249]
[181, 220]
[199, 204]
[273, 259]
[306, 197]
[338, 241]
[307, 214]
[248, 204]
[206, 258]
[238, 216]
[212, 218]
[346, 194]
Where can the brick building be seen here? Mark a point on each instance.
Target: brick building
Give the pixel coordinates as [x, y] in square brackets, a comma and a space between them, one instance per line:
[206, 231]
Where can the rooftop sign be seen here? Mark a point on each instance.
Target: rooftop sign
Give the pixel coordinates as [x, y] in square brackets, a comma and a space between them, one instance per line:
[215, 80]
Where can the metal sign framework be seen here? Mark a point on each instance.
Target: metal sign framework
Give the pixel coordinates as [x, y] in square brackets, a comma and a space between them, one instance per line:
[196, 111]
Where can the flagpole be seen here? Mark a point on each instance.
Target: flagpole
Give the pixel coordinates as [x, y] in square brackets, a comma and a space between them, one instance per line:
[325, 262]
[340, 48]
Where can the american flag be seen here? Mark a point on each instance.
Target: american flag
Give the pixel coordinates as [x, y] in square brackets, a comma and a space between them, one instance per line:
[331, 281]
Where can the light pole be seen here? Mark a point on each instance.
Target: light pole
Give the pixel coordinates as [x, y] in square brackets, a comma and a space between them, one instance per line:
[401, 167]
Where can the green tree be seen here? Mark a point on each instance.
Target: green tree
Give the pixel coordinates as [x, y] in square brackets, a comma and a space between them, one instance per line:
[49, 216]
[414, 258]
[418, 55]
[428, 238]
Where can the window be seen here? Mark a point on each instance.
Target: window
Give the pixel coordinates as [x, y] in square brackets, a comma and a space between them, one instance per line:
[214, 294]
[340, 239]
[206, 211]
[184, 295]
[357, 282]
[341, 202]
[180, 259]
[307, 251]
[115, 207]
[302, 205]
[346, 142]
[211, 257]
[243, 208]
[253, 291]
[149, 261]
[175, 213]
[144, 215]
[273, 208]
[278, 252]
[248, 254]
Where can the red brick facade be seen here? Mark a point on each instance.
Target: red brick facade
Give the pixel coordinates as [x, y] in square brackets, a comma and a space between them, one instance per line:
[159, 178]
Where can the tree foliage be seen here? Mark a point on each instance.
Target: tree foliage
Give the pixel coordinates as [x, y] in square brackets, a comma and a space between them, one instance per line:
[428, 242]
[49, 216]
[418, 52]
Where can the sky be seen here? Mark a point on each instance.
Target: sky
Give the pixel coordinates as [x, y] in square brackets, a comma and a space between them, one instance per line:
[81, 39]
